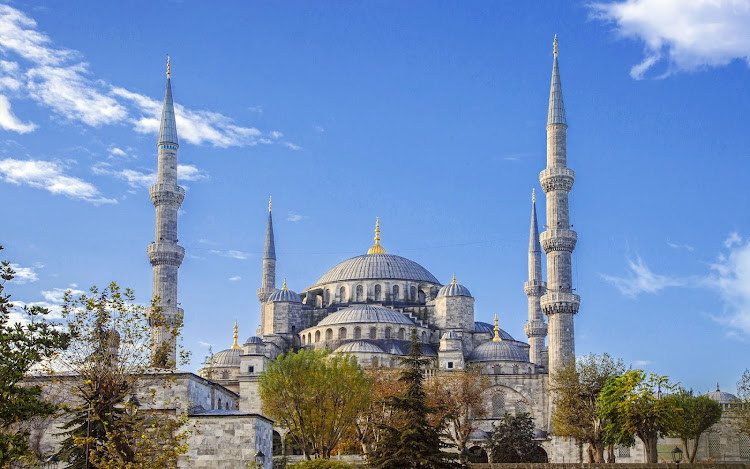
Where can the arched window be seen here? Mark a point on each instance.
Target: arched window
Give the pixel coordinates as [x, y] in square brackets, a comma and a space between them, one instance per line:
[327, 296]
[317, 336]
[394, 297]
[377, 292]
[303, 339]
[424, 337]
[413, 293]
[329, 334]
[714, 445]
[498, 405]
[357, 332]
[375, 362]
[421, 296]
[521, 408]
[219, 406]
[309, 338]
[342, 333]
[342, 294]
[401, 334]
[226, 405]
[360, 292]
[496, 370]
[373, 332]
[387, 332]
[224, 375]
[515, 369]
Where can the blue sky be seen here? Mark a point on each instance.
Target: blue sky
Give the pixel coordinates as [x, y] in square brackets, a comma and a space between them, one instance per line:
[429, 115]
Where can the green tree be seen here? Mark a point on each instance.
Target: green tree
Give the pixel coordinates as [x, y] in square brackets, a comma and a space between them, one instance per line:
[633, 404]
[512, 440]
[413, 443]
[106, 366]
[740, 411]
[695, 415]
[575, 390]
[316, 395]
[23, 345]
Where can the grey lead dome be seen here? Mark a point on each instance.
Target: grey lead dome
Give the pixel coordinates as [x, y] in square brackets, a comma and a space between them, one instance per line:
[285, 295]
[498, 351]
[365, 313]
[377, 266]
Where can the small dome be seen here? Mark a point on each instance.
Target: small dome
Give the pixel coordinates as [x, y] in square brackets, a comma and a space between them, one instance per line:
[454, 289]
[366, 314]
[284, 295]
[228, 357]
[359, 346]
[451, 335]
[498, 351]
[722, 397]
[490, 329]
[253, 340]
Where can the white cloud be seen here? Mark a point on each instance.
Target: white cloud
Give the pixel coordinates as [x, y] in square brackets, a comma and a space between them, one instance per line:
[236, 278]
[292, 146]
[642, 280]
[688, 35]
[686, 247]
[23, 274]
[185, 172]
[641, 363]
[319, 128]
[115, 152]
[9, 121]
[231, 254]
[732, 239]
[49, 176]
[731, 279]
[295, 217]
[52, 301]
[276, 134]
[205, 344]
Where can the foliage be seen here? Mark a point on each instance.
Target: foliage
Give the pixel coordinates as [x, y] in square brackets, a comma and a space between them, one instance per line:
[740, 411]
[696, 415]
[22, 346]
[106, 366]
[412, 442]
[512, 440]
[457, 397]
[632, 404]
[317, 396]
[320, 464]
[575, 389]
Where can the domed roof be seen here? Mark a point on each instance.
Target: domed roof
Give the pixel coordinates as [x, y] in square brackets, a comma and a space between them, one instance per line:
[498, 351]
[454, 289]
[228, 357]
[722, 397]
[365, 313]
[253, 340]
[377, 266]
[284, 295]
[359, 346]
[490, 329]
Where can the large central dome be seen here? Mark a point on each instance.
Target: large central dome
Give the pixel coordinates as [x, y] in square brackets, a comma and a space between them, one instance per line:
[377, 266]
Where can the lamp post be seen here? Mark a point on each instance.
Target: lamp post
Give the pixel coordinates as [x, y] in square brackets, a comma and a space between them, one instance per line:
[677, 455]
[133, 405]
[260, 458]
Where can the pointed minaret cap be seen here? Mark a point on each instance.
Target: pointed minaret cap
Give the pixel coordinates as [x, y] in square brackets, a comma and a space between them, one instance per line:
[556, 114]
[497, 332]
[377, 248]
[534, 245]
[168, 127]
[269, 251]
[235, 346]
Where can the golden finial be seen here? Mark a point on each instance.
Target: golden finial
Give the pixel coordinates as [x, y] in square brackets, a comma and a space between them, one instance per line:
[269, 203]
[555, 45]
[497, 332]
[284, 287]
[377, 248]
[236, 336]
[533, 195]
[454, 279]
[169, 67]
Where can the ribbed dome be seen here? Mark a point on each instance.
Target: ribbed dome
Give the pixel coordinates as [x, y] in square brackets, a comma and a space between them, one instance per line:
[284, 295]
[253, 340]
[359, 346]
[228, 357]
[722, 397]
[489, 328]
[365, 313]
[498, 351]
[454, 289]
[377, 266]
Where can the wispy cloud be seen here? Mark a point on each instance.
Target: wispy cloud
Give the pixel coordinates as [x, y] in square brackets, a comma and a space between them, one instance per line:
[688, 35]
[295, 217]
[236, 278]
[232, 254]
[9, 121]
[23, 274]
[641, 279]
[52, 301]
[731, 279]
[50, 176]
[292, 146]
[641, 363]
[686, 247]
[185, 172]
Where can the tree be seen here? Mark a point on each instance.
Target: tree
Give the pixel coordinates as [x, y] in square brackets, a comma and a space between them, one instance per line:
[575, 390]
[107, 368]
[457, 396]
[23, 345]
[740, 411]
[695, 415]
[316, 395]
[632, 404]
[512, 440]
[413, 443]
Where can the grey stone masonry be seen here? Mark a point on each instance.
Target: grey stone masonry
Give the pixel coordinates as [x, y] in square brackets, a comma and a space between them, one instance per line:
[164, 253]
[535, 328]
[559, 302]
[268, 283]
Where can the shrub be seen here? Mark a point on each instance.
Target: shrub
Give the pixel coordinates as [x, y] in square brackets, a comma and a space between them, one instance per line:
[320, 464]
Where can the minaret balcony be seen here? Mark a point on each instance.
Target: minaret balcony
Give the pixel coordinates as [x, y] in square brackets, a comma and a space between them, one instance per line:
[535, 287]
[558, 240]
[535, 328]
[559, 302]
[557, 179]
[166, 194]
[165, 254]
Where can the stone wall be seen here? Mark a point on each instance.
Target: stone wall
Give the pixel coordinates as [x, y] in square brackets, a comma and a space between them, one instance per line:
[607, 466]
[228, 441]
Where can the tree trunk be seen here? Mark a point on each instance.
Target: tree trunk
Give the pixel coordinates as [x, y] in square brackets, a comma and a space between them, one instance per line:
[599, 452]
[611, 454]
[691, 455]
[590, 453]
[649, 443]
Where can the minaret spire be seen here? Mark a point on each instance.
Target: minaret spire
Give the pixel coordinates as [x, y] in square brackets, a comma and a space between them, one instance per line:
[535, 328]
[268, 283]
[559, 303]
[164, 253]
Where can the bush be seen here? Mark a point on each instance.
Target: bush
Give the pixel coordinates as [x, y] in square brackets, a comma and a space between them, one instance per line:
[320, 464]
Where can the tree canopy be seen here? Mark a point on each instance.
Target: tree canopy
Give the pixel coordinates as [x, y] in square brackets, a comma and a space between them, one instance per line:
[695, 415]
[740, 410]
[512, 440]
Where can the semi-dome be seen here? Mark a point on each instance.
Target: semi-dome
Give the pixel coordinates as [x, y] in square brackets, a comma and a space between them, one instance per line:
[377, 266]
[284, 294]
[359, 346]
[502, 350]
[722, 397]
[367, 314]
[490, 329]
[228, 357]
[253, 340]
[454, 289]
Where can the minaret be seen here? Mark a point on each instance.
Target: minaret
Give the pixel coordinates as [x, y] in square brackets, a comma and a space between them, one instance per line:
[165, 255]
[536, 329]
[268, 284]
[558, 241]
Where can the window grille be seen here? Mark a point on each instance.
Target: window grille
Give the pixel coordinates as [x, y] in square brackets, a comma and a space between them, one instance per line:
[744, 446]
[623, 451]
[521, 408]
[498, 404]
